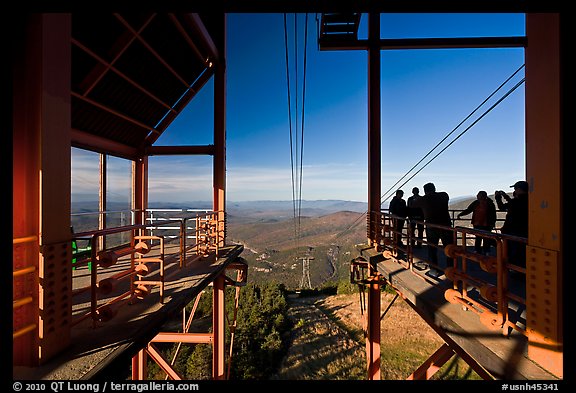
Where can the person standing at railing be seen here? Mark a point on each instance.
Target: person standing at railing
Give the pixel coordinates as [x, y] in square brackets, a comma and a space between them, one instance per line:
[483, 212]
[397, 207]
[516, 222]
[415, 214]
[434, 206]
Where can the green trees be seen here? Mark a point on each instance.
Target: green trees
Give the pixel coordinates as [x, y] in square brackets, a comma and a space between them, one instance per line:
[260, 340]
[261, 333]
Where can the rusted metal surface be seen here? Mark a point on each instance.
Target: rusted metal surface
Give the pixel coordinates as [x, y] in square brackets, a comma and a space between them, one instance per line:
[433, 363]
[545, 173]
[490, 353]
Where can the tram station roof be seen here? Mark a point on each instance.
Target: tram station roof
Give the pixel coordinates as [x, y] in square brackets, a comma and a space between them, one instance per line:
[133, 73]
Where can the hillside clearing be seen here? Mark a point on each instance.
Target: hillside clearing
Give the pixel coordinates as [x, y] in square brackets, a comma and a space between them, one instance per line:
[327, 342]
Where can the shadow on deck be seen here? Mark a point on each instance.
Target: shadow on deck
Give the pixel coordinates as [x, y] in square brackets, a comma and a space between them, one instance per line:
[500, 355]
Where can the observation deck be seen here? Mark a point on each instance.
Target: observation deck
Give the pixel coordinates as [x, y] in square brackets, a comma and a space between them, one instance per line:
[475, 302]
[137, 290]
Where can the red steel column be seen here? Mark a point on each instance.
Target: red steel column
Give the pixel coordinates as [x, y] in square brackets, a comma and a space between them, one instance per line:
[42, 129]
[102, 191]
[374, 127]
[373, 329]
[544, 173]
[219, 182]
[374, 185]
[25, 183]
[140, 188]
[218, 328]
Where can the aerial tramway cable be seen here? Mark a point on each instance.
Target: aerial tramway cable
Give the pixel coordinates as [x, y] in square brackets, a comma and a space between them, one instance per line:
[296, 141]
[290, 121]
[394, 186]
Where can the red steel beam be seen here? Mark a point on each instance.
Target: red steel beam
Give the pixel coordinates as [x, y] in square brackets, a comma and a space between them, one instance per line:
[164, 365]
[122, 46]
[424, 43]
[218, 328]
[175, 150]
[152, 51]
[179, 106]
[219, 171]
[187, 38]
[433, 363]
[373, 329]
[109, 66]
[201, 31]
[545, 172]
[374, 127]
[41, 181]
[374, 189]
[146, 127]
[84, 140]
[189, 338]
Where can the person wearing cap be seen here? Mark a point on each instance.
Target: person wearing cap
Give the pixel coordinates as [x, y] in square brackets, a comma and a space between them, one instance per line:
[516, 222]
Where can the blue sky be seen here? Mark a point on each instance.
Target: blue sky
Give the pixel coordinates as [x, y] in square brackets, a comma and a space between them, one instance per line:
[425, 95]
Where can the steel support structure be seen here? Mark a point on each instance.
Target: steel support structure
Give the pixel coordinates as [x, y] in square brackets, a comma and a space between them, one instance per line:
[544, 173]
[216, 338]
[219, 174]
[41, 185]
[544, 169]
[374, 128]
[140, 189]
[102, 200]
[433, 364]
[374, 191]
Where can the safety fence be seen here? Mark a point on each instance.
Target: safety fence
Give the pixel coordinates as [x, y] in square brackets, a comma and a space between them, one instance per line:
[126, 273]
[108, 273]
[487, 268]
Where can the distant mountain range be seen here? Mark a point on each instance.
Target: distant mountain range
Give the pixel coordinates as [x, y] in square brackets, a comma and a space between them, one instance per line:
[327, 232]
[308, 208]
[255, 209]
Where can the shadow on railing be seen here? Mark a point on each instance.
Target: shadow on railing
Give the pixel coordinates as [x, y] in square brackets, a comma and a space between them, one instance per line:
[489, 280]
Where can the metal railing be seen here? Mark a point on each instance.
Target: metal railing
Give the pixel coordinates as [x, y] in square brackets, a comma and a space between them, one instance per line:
[111, 266]
[481, 278]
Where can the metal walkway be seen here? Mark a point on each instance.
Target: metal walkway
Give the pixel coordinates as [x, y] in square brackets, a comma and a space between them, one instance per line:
[106, 351]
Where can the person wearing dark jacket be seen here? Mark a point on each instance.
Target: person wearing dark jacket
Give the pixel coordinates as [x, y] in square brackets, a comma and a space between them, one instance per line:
[516, 222]
[397, 207]
[483, 212]
[434, 206]
[416, 219]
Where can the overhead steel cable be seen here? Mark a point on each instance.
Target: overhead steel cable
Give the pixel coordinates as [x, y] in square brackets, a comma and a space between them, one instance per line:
[297, 137]
[290, 122]
[302, 125]
[465, 130]
[394, 187]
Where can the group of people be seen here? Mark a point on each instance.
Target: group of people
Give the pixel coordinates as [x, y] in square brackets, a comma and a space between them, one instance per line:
[432, 209]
